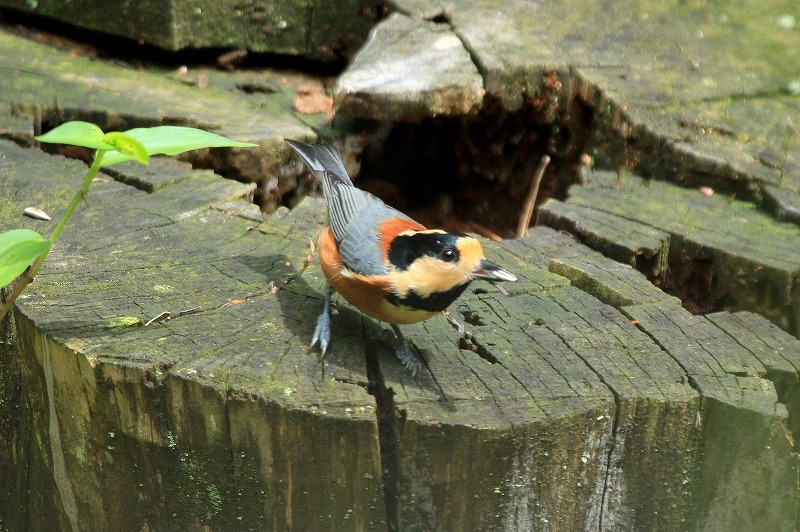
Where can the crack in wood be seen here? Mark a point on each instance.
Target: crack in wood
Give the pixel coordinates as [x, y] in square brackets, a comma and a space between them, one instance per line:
[63, 484]
[607, 475]
[355, 382]
[387, 436]
[468, 342]
[783, 376]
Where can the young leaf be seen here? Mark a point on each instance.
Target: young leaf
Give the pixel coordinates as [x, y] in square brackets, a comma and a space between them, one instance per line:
[77, 133]
[127, 145]
[172, 140]
[18, 249]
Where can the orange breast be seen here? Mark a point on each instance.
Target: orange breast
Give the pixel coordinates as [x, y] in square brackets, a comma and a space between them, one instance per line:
[365, 292]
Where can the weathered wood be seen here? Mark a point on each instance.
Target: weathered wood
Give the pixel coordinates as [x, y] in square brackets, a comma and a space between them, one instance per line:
[741, 415]
[749, 260]
[775, 349]
[313, 29]
[409, 70]
[172, 413]
[701, 95]
[583, 399]
[642, 246]
[55, 86]
[222, 414]
[722, 370]
[16, 127]
[605, 280]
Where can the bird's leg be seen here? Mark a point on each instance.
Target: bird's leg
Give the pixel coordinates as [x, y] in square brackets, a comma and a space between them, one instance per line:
[404, 352]
[457, 325]
[322, 333]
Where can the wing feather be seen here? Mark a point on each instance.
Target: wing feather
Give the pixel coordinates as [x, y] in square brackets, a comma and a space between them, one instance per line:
[361, 248]
[354, 214]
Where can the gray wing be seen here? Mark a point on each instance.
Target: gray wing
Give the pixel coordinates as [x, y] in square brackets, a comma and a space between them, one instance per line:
[354, 214]
[360, 248]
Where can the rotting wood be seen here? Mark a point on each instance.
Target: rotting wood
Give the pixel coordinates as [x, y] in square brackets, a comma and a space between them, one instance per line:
[55, 86]
[739, 255]
[313, 29]
[567, 406]
[553, 410]
[683, 98]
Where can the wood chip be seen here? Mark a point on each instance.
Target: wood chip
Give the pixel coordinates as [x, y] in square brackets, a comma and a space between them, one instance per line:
[164, 316]
[36, 214]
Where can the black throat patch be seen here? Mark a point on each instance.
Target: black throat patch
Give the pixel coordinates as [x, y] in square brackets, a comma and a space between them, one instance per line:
[436, 302]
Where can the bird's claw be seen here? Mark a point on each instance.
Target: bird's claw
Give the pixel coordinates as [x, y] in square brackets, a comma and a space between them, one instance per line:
[404, 353]
[322, 333]
[408, 359]
[457, 325]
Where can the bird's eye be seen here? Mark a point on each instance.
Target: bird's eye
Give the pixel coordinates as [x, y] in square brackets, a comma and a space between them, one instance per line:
[449, 255]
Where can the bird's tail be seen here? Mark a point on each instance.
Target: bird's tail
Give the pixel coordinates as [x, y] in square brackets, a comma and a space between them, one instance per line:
[322, 159]
[345, 201]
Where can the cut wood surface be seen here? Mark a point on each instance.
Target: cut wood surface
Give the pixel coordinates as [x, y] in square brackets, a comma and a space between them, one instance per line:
[703, 94]
[317, 29]
[583, 398]
[565, 401]
[748, 257]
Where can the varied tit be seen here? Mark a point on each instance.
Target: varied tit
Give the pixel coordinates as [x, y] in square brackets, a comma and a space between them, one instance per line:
[383, 262]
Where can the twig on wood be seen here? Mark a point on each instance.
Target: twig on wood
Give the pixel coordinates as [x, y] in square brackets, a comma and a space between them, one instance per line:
[457, 325]
[530, 201]
[228, 59]
[309, 257]
[164, 316]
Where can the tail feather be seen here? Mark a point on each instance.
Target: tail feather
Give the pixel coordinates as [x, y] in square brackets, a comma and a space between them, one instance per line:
[321, 158]
[345, 201]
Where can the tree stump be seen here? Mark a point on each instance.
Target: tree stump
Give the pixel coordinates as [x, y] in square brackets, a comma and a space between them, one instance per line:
[313, 29]
[584, 398]
[568, 403]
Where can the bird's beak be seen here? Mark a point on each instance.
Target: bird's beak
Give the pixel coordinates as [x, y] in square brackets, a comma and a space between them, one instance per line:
[489, 271]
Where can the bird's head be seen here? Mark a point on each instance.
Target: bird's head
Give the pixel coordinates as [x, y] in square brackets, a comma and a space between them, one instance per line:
[434, 262]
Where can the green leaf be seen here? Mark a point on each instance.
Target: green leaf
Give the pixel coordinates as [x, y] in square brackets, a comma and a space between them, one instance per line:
[127, 145]
[172, 140]
[18, 249]
[77, 134]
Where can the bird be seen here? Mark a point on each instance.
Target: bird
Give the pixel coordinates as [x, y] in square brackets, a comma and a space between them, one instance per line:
[383, 262]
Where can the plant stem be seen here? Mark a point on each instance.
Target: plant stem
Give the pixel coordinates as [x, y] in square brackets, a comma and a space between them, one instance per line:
[31, 272]
[79, 197]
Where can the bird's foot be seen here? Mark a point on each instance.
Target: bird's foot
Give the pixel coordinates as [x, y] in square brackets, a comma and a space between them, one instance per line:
[322, 332]
[404, 353]
[407, 358]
